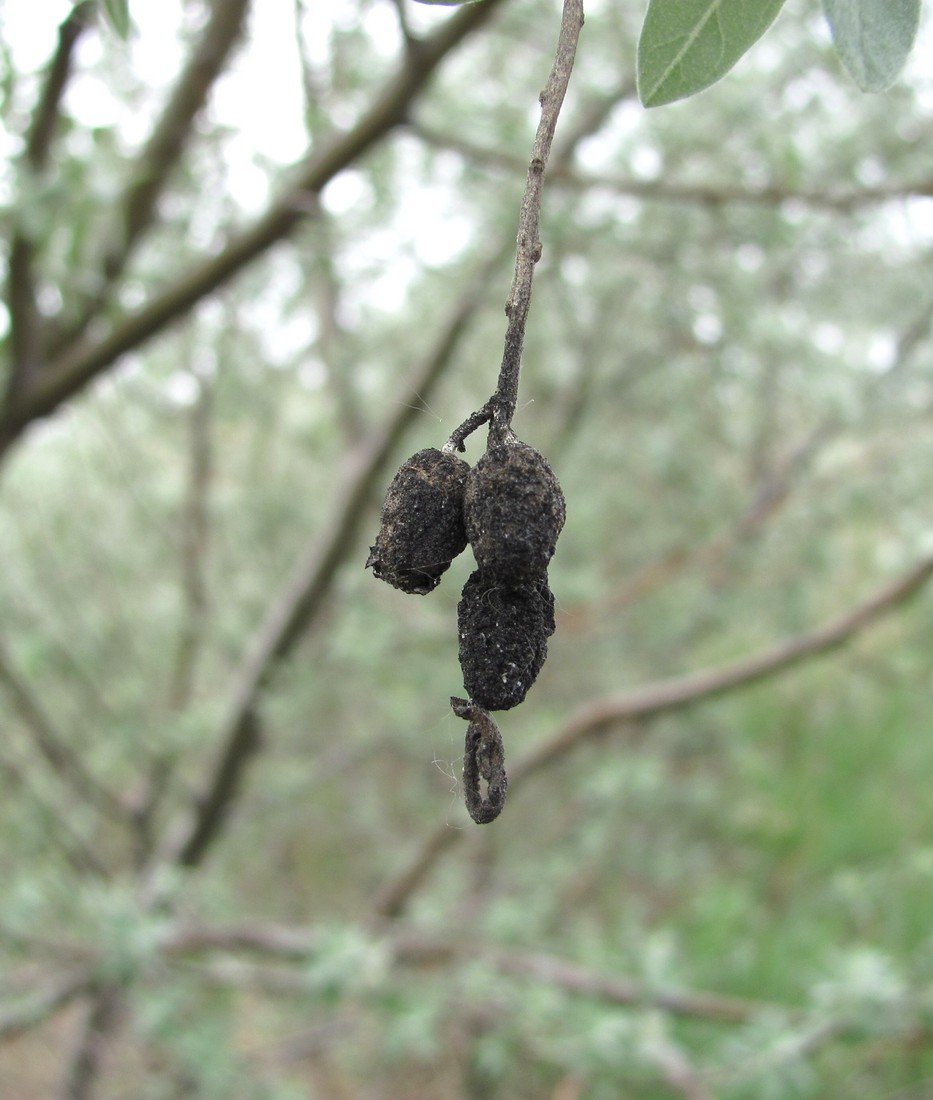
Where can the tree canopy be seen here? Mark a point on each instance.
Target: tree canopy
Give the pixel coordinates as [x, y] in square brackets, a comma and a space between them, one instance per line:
[256, 256]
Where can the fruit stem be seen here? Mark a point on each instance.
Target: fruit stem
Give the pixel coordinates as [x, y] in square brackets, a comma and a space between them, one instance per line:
[500, 408]
[528, 250]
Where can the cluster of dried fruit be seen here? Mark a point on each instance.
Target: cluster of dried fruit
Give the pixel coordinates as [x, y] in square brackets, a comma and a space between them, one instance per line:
[510, 508]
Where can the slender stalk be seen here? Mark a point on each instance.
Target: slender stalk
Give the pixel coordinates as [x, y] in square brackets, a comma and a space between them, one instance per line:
[529, 240]
[500, 408]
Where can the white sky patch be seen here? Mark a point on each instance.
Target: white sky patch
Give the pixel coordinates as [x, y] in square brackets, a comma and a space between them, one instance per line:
[348, 191]
[707, 325]
[646, 162]
[828, 338]
[750, 256]
[881, 351]
[88, 97]
[259, 97]
[707, 328]
[260, 94]
[156, 51]
[574, 270]
[30, 30]
[181, 389]
[917, 221]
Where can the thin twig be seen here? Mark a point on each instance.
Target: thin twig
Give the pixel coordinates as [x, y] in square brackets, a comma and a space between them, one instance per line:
[841, 201]
[417, 949]
[529, 240]
[26, 343]
[500, 408]
[135, 210]
[664, 697]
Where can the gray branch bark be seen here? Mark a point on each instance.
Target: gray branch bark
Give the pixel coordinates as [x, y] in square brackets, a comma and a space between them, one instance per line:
[653, 700]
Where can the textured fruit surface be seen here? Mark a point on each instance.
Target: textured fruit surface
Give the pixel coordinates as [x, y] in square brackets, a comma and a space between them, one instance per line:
[503, 638]
[514, 511]
[422, 522]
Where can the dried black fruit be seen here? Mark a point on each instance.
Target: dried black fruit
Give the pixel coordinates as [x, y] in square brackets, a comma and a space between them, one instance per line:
[483, 763]
[422, 522]
[514, 511]
[503, 637]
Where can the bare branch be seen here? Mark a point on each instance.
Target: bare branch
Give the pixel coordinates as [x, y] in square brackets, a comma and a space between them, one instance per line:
[500, 409]
[79, 364]
[45, 119]
[166, 144]
[136, 209]
[655, 699]
[415, 949]
[303, 596]
[104, 1017]
[842, 201]
[282, 941]
[663, 697]
[629, 991]
[529, 240]
[26, 349]
[393, 898]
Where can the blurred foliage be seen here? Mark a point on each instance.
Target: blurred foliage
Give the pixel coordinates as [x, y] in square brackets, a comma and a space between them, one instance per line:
[729, 366]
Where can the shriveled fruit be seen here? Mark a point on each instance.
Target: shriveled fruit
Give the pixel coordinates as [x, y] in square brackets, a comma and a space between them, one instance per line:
[483, 763]
[514, 510]
[422, 522]
[503, 637]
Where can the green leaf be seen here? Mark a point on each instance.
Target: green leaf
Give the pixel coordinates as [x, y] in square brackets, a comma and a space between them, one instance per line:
[873, 38]
[117, 13]
[686, 45]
